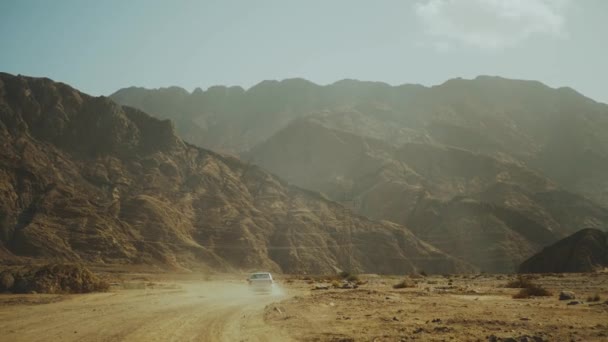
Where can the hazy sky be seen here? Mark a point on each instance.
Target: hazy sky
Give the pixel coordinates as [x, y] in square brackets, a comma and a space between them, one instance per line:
[101, 46]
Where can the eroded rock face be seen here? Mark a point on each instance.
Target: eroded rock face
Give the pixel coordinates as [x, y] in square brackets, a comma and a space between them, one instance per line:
[82, 178]
[583, 251]
[490, 211]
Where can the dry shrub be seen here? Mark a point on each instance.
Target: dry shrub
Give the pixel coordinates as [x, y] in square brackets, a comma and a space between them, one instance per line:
[56, 278]
[348, 276]
[520, 283]
[533, 290]
[405, 283]
[353, 278]
[595, 298]
[528, 288]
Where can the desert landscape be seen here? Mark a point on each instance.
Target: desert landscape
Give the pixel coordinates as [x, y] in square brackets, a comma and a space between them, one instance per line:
[162, 306]
[430, 170]
[114, 228]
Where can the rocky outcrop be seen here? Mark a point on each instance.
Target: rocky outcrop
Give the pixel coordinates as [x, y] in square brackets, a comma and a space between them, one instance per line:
[583, 251]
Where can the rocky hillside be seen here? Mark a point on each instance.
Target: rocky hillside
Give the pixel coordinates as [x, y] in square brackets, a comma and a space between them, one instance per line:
[490, 169]
[82, 178]
[491, 211]
[583, 251]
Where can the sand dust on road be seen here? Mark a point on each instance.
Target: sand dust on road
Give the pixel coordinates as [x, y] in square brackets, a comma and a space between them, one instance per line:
[185, 311]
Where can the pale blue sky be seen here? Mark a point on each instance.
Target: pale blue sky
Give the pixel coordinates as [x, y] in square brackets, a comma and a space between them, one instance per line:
[101, 46]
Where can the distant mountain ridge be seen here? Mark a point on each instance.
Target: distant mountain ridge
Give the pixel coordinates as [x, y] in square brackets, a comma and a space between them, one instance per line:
[85, 179]
[558, 132]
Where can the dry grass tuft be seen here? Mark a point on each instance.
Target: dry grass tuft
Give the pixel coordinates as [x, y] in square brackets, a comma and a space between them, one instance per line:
[520, 283]
[528, 288]
[534, 291]
[348, 276]
[405, 283]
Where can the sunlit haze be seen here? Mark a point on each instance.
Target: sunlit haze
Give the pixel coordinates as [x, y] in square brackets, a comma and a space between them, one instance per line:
[101, 46]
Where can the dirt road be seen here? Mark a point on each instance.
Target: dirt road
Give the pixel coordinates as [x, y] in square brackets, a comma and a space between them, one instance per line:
[188, 311]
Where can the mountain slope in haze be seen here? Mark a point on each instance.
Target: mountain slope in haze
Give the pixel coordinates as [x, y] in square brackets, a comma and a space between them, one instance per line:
[558, 132]
[491, 212]
[84, 179]
[583, 251]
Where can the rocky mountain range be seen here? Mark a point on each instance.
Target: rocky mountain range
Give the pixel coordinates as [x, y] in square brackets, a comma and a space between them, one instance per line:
[489, 170]
[558, 132]
[85, 179]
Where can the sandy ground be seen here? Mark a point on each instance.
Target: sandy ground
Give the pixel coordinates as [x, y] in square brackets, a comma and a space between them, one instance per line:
[143, 311]
[175, 308]
[458, 308]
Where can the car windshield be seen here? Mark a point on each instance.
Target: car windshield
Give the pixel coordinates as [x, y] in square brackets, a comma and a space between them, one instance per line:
[260, 276]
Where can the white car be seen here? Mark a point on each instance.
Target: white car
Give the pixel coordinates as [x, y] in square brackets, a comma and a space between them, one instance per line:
[261, 280]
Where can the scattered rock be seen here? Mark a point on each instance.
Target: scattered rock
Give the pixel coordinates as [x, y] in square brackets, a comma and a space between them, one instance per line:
[343, 339]
[321, 287]
[419, 330]
[348, 285]
[567, 295]
[523, 338]
[442, 329]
